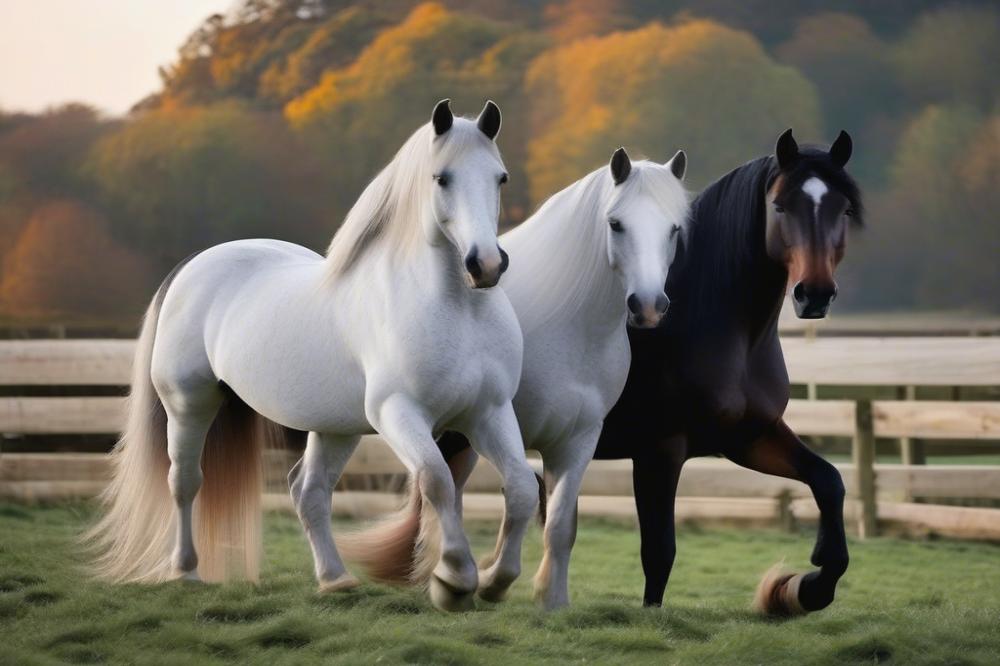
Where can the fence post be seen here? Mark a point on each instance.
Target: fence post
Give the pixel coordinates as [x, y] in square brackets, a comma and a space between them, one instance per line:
[863, 454]
[911, 451]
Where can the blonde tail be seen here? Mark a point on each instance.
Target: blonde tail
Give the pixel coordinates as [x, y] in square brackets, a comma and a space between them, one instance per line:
[400, 549]
[134, 540]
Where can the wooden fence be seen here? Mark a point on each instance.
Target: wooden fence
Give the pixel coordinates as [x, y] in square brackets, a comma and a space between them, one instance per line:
[881, 495]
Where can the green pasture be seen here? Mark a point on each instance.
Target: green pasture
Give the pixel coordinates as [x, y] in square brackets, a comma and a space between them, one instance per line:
[905, 602]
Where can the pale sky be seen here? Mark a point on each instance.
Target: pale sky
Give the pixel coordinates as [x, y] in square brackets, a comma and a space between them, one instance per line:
[102, 52]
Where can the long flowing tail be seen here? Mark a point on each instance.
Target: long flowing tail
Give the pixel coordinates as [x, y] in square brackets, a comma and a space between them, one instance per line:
[404, 547]
[135, 538]
[401, 549]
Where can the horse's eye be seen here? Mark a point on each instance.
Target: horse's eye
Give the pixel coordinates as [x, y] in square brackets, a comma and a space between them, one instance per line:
[850, 212]
[779, 209]
[442, 179]
[674, 230]
[503, 179]
[616, 225]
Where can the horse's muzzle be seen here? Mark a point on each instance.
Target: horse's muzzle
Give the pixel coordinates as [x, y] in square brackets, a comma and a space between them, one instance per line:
[485, 273]
[813, 302]
[646, 315]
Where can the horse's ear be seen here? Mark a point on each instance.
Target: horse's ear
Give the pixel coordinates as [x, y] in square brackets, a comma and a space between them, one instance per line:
[621, 166]
[442, 117]
[489, 120]
[840, 151]
[678, 164]
[786, 150]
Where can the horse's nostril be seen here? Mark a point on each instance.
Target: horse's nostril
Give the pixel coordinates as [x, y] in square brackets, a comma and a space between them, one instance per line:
[634, 306]
[472, 263]
[662, 303]
[504, 260]
[799, 292]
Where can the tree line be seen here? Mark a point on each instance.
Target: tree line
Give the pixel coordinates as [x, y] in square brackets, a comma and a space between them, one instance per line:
[272, 119]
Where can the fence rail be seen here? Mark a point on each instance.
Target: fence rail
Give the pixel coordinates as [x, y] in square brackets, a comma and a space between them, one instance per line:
[926, 419]
[933, 361]
[879, 493]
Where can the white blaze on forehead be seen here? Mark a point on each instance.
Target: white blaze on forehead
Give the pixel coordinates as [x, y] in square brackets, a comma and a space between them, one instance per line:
[815, 188]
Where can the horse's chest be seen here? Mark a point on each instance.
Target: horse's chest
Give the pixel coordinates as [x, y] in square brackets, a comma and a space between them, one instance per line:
[569, 385]
[454, 361]
[747, 390]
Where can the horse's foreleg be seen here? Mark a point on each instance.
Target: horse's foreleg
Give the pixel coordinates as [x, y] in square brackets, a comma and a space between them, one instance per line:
[405, 428]
[311, 484]
[498, 439]
[461, 459]
[781, 453]
[655, 472]
[566, 463]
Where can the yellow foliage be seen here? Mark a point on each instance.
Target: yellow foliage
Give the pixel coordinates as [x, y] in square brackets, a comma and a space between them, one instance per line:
[699, 85]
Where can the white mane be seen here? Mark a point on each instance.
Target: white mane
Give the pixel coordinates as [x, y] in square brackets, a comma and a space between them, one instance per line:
[389, 210]
[565, 243]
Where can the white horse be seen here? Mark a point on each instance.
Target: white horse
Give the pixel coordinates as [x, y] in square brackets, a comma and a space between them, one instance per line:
[593, 258]
[383, 334]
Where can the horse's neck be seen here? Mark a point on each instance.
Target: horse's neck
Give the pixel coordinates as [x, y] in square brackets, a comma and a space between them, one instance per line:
[582, 295]
[749, 304]
[436, 268]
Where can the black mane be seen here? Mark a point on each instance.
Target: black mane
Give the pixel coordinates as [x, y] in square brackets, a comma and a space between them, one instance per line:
[727, 225]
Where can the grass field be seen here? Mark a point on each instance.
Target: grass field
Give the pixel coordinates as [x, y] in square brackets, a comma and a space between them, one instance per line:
[902, 602]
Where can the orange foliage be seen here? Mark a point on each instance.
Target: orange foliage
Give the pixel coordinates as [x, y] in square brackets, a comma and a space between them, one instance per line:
[698, 85]
[574, 19]
[65, 262]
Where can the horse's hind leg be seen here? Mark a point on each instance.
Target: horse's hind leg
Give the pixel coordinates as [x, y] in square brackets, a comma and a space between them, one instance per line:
[188, 421]
[566, 464]
[781, 453]
[311, 484]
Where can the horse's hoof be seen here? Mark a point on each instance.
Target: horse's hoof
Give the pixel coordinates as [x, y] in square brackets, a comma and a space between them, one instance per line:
[446, 598]
[341, 583]
[494, 587]
[493, 593]
[188, 576]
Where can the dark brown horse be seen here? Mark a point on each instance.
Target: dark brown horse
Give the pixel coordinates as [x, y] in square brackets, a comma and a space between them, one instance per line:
[711, 380]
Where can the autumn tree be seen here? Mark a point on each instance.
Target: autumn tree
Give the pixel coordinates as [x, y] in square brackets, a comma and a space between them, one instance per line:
[934, 241]
[65, 262]
[362, 113]
[176, 181]
[699, 86]
[572, 19]
[41, 155]
[951, 55]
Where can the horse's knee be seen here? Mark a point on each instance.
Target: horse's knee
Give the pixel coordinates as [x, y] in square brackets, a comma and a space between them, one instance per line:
[434, 479]
[521, 493]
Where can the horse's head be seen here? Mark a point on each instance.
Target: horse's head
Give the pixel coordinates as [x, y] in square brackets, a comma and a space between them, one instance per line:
[467, 173]
[811, 201]
[646, 215]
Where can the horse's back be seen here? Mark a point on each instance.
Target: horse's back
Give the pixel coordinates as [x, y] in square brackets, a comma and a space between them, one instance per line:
[238, 313]
[206, 284]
